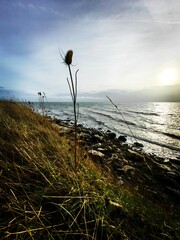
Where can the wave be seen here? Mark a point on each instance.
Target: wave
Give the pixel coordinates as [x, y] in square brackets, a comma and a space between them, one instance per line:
[135, 137]
[112, 118]
[95, 120]
[171, 135]
[147, 140]
[144, 113]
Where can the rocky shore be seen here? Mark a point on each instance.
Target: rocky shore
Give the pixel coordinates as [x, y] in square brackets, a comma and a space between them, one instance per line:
[149, 175]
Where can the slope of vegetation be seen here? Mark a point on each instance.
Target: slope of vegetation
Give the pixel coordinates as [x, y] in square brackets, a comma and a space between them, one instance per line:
[42, 195]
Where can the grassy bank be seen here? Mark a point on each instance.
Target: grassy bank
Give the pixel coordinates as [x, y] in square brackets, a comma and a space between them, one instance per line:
[43, 196]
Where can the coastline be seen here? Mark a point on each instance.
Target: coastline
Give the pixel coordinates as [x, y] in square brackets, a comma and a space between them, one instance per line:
[150, 175]
[158, 131]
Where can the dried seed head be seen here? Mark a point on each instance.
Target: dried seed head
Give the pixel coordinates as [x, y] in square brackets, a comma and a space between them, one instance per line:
[68, 57]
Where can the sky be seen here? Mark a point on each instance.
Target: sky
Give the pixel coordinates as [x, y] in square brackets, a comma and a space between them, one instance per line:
[125, 45]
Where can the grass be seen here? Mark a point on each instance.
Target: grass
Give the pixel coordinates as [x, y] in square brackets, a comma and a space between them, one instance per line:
[43, 196]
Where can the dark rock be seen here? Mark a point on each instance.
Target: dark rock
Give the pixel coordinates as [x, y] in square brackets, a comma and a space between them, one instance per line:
[67, 120]
[57, 121]
[80, 125]
[122, 138]
[111, 135]
[92, 138]
[175, 166]
[108, 131]
[175, 161]
[134, 156]
[87, 136]
[138, 145]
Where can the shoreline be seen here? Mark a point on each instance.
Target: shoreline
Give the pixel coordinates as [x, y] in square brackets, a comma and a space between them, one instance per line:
[150, 175]
[164, 143]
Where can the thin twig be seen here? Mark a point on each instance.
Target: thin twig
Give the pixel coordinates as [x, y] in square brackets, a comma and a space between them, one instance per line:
[122, 117]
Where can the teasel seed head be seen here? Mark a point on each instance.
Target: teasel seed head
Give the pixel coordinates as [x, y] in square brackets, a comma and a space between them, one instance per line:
[68, 57]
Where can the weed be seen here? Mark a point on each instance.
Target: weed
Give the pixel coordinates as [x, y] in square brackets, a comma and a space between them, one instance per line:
[73, 91]
[41, 100]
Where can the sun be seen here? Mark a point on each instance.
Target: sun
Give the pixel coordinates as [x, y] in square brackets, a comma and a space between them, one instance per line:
[168, 77]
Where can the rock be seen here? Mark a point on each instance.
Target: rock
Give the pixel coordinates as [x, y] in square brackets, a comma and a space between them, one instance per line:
[65, 131]
[111, 135]
[92, 139]
[175, 166]
[86, 136]
[102, 150]
[114, 209]
[175, 161]
[122, 138]
[67, 120]
[80, 125]
[138, 145]
[134, 156]
[58, 121]
[114, 156]
[128, 168]
[96, 155]
[98, 137]
[108, 131]
[98, 145]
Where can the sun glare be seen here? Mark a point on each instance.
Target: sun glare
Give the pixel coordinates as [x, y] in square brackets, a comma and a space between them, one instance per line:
[168, 77]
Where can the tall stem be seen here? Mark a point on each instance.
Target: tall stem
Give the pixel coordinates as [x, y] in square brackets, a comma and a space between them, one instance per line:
[75, 116]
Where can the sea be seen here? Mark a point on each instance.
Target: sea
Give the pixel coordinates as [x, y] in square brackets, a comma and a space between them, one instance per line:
[156, 124]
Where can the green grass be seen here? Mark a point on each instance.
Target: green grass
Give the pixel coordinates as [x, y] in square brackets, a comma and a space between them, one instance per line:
[43, 196]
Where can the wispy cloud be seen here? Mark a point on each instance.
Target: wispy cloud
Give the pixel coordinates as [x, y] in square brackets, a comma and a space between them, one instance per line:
[37, 7]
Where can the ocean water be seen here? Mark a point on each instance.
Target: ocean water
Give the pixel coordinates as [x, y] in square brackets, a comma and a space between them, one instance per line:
[155, 125]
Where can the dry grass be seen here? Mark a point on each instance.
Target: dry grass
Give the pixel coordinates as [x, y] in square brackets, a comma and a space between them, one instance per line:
[44, 197]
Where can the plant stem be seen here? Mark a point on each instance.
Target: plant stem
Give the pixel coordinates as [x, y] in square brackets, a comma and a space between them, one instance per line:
[74, 96]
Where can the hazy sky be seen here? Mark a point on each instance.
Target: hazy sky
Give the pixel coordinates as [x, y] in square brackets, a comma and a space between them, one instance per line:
[117, 44]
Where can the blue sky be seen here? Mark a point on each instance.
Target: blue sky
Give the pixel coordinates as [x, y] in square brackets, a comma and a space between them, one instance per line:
[128, 45]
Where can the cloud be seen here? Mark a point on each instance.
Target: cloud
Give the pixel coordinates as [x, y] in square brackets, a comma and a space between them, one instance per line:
[116, 44]
[37, 7]
[156, 93]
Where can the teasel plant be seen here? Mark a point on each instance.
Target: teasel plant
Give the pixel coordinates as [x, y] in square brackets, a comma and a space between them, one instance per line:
[72, 84]
[41, 99]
